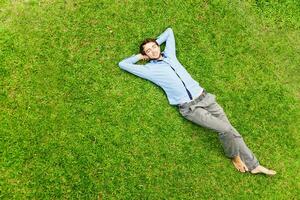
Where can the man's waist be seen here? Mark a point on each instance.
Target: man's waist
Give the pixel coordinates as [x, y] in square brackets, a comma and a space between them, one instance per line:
[194, 101]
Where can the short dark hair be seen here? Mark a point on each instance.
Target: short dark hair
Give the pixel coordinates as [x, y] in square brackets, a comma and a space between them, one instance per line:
[145, 42]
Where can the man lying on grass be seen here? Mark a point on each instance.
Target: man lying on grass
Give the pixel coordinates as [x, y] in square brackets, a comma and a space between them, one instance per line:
[194, 103]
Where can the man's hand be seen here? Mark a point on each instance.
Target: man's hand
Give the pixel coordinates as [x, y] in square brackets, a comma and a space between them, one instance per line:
[143, 57]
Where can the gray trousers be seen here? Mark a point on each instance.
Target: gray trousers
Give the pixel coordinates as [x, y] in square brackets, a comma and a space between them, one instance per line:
[208, 113]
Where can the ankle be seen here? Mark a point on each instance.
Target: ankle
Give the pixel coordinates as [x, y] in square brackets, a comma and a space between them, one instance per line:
[236, 158]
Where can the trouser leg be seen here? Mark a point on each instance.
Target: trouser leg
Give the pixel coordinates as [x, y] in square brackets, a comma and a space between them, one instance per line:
[209, 114]
[244, 152]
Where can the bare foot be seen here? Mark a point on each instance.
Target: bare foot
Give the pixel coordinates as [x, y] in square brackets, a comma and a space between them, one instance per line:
[239, 164]
[263, 170]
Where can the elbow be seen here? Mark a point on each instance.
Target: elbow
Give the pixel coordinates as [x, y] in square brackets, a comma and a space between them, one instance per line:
[121, 64]
[170, 29]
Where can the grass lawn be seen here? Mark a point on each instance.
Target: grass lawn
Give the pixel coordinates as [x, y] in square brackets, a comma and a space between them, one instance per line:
[73, 125]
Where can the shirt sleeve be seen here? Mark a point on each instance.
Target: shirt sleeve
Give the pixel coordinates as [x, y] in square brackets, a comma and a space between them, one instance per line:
[129, 65]
[168, 37]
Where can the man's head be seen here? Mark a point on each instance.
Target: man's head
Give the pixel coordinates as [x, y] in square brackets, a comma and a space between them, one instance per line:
[150, 48]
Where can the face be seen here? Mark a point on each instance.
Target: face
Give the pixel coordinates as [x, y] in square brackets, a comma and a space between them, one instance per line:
[152, 50]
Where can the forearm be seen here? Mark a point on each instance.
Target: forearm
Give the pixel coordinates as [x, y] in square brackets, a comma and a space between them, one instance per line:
[129, 61]
[168, 37]
[163, 37]
[129, 64]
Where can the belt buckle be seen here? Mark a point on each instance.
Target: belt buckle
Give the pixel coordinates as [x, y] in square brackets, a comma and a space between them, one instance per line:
[202, 95]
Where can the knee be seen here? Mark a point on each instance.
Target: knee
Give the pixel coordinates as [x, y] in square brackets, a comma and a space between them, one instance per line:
[229, 132]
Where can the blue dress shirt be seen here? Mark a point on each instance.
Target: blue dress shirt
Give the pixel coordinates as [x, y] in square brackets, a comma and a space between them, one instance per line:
[167, 73]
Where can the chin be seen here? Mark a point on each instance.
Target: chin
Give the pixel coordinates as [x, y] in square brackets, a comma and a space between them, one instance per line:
[157, 57]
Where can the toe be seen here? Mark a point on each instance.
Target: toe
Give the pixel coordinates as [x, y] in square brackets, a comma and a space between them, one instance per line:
[271, 172]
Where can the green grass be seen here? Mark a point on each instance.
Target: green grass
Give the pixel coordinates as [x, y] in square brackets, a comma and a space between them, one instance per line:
[73, 125]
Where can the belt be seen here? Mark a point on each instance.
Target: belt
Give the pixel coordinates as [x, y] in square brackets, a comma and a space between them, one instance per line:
[194, 101]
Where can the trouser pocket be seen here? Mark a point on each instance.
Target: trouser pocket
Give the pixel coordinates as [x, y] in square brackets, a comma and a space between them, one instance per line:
[185, 111]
